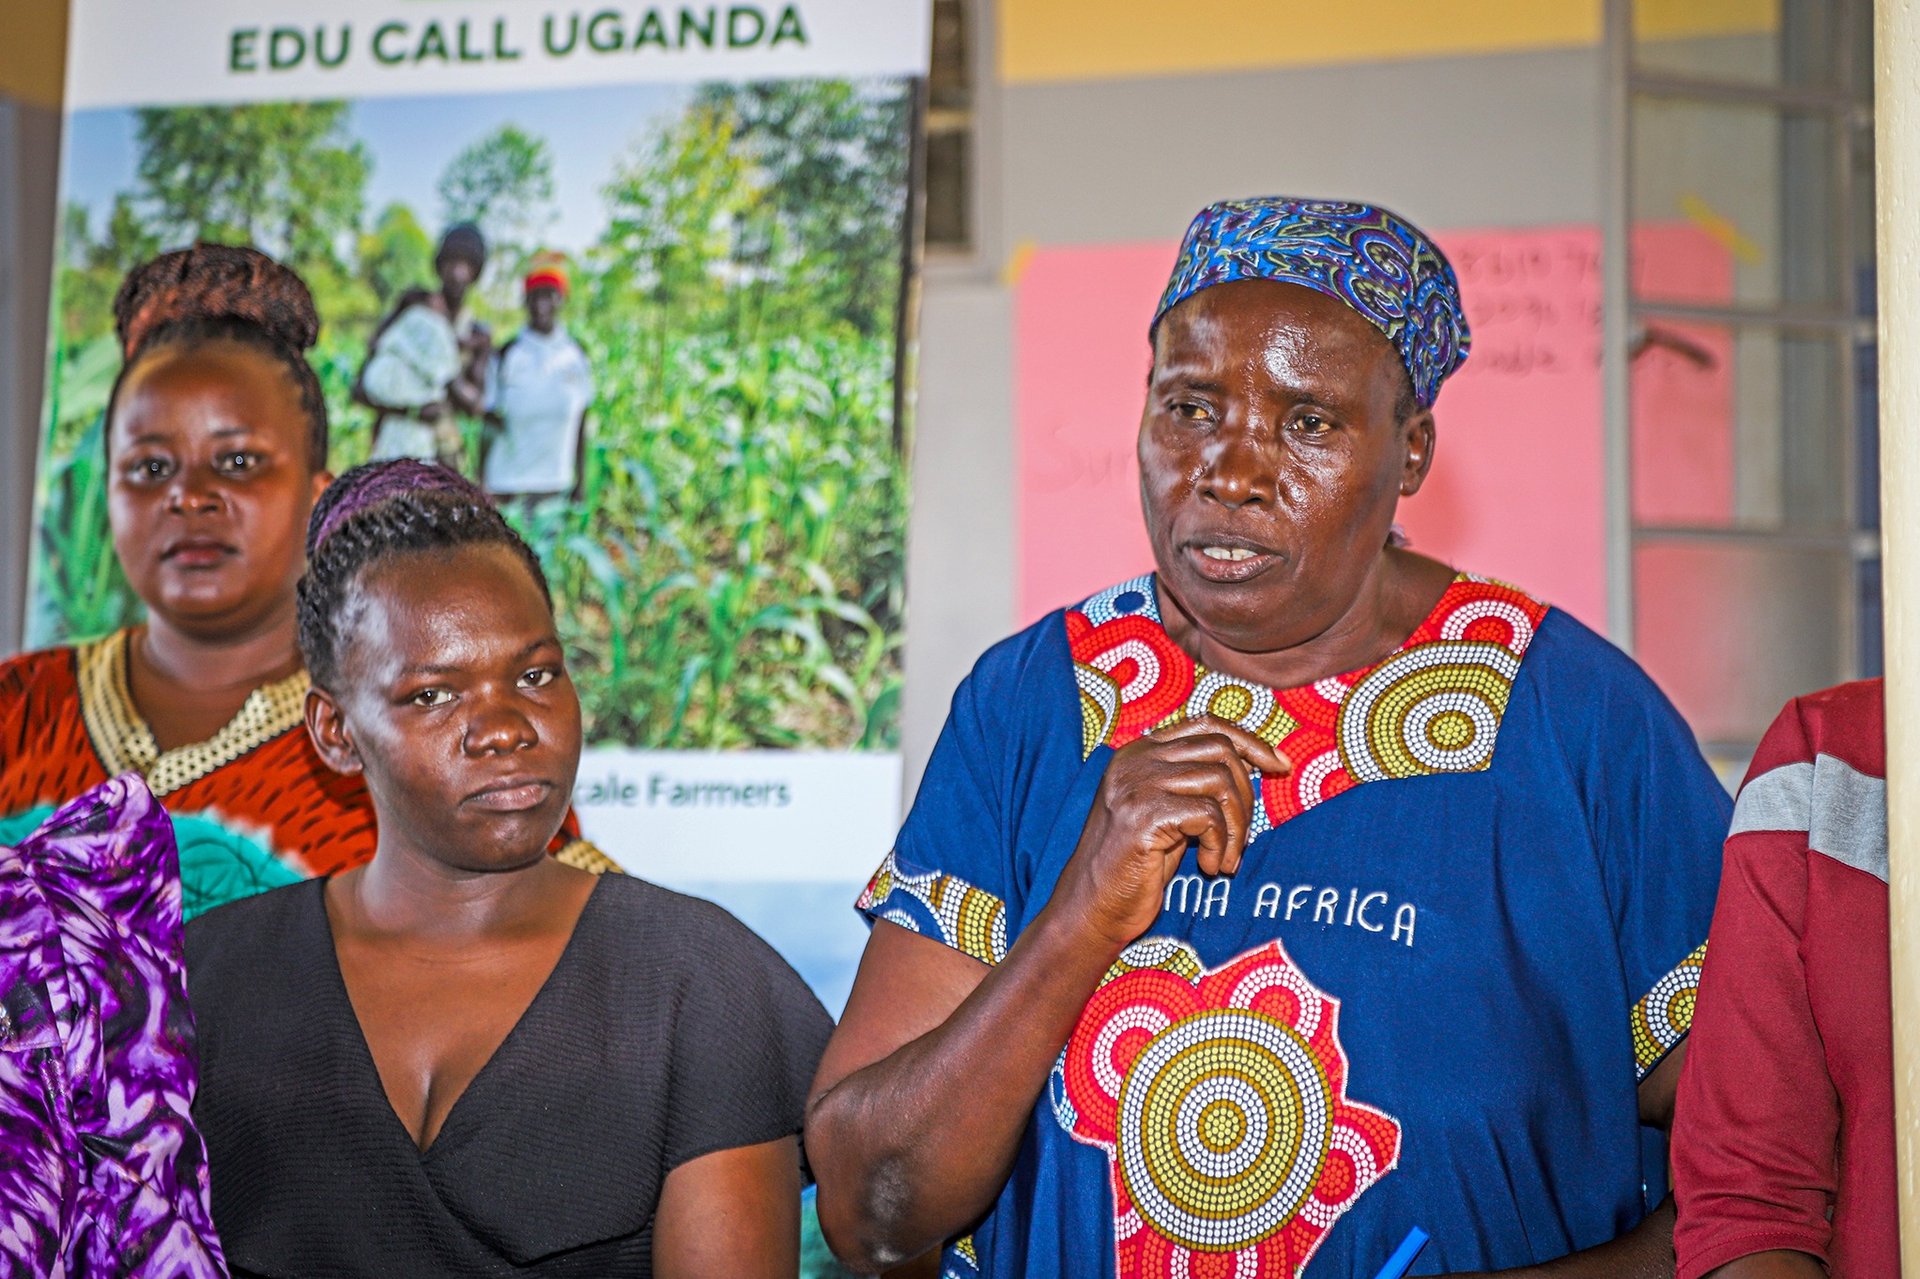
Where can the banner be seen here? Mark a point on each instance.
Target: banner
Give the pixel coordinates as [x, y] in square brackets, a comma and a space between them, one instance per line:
[714, 474]
[710, 462]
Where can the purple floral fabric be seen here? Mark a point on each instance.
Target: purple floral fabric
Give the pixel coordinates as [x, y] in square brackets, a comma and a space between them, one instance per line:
[101, 1170]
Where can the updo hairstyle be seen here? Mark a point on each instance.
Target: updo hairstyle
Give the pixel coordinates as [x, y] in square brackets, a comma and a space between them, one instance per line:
[223, 293]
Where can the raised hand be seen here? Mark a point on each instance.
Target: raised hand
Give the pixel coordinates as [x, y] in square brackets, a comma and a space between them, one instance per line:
[1187, 783]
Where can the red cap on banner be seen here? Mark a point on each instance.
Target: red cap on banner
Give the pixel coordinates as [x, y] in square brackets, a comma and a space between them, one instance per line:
[546, 272]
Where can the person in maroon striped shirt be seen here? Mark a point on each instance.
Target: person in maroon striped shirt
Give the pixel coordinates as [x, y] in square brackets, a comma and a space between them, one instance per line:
[1783, 1133]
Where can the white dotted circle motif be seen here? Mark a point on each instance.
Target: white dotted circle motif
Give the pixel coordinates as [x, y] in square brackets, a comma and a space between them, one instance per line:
[1366, 1170]
[1306, 999]
[1146, 672]
[1151, 1020]
[1473, 753]
[1100, 609]
[1455, 627]
[1255, 705]
[1684, 980]
[1313, 775]
[1099, 689]
[1433, 708]
[1217, 1147]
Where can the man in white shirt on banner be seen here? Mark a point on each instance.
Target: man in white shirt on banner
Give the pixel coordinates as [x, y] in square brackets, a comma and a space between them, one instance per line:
[538, 390]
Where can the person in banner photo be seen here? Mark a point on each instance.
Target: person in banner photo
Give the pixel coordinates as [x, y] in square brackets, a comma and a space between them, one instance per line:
[539, 386]
[1783, 1151]
[1220, 936]
[426, 364]
[216, 446]
[465, 1057]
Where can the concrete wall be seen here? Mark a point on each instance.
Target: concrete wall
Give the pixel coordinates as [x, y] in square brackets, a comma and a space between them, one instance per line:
[32, 68]
[29, 155]
[960, 545]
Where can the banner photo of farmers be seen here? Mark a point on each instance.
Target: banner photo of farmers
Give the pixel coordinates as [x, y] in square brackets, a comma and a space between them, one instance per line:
[641, 274]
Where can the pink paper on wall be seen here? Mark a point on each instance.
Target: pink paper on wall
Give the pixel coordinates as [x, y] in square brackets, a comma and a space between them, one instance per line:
[1518, 487]
[1519, 480]
[1682, 390]
[1080, 368]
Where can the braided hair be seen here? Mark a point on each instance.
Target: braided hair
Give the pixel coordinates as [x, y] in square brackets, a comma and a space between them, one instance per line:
[378, 511]
[223, 293]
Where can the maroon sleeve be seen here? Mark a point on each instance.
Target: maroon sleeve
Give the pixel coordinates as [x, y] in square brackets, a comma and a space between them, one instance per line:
[1757, 1122]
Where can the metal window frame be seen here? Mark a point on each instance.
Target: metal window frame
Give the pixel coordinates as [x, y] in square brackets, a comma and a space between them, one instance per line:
[1847, 113]
[981, 259]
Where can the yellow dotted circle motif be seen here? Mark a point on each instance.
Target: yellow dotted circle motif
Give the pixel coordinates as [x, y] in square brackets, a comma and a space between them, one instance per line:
[1231, 702]
[1450, 730]
[1250, 706]
[1431, 709]
[1665, 1013]
[1225, 1121]
[1163, 953]
[1099, 704]
[1680, 1009]
[1222, 1126]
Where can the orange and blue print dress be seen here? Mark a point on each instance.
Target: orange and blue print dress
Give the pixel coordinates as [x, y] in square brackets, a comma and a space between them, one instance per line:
[1427, 997]
[253, 807]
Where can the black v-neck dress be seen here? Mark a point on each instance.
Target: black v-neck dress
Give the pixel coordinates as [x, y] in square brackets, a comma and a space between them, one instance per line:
[666, 1031]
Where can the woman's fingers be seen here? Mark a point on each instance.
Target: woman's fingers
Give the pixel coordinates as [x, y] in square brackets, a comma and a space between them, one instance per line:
[1205, 821]
[1201, 802]
[1190, 783]
[1256, 752]
[1224, 785]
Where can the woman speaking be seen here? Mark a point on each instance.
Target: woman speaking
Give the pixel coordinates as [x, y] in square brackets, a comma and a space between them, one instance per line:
[1299, 892]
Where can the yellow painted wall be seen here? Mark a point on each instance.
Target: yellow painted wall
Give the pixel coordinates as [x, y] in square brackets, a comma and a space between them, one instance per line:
[1680, 19]
[1056, 40]
[33, 56]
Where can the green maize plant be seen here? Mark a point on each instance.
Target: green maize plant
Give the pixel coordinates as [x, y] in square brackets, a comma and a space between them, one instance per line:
[733, 574]
[81, 593]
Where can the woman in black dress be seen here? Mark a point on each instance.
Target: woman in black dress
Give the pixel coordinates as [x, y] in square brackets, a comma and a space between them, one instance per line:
[466, 1058]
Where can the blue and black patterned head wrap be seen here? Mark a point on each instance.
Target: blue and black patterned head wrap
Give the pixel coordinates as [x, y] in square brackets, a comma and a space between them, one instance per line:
[1376, 262]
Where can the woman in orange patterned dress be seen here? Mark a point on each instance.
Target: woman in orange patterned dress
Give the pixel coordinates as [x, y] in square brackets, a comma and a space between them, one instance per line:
[216, 443]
